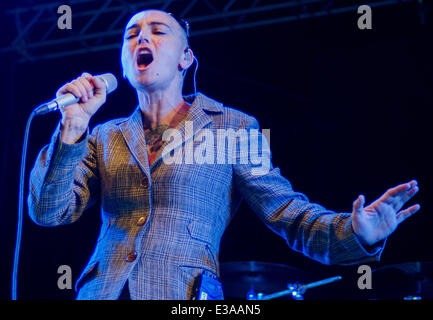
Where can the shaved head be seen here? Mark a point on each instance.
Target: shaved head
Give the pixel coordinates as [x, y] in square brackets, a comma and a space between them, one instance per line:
[175, 23]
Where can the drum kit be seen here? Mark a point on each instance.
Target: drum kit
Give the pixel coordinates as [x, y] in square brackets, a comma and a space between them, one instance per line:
[255, 280]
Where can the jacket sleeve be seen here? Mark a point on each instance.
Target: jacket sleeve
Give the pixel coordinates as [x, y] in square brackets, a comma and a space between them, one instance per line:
[64, 181]
[309, 228]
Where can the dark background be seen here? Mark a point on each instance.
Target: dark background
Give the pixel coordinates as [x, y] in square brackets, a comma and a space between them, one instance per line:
[349, 112]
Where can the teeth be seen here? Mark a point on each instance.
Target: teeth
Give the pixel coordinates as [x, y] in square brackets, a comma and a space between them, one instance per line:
[144, 51]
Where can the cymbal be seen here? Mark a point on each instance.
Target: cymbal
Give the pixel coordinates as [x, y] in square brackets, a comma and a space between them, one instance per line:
[239, 277]
[417, 268]
[398, 281]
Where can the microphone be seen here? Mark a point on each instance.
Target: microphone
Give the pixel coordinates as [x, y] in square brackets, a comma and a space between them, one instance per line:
[67, 99]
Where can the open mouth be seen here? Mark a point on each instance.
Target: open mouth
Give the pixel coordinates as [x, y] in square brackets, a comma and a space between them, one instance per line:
[144, 58]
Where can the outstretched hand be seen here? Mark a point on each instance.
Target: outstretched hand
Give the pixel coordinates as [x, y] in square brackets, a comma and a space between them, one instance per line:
[378, 220]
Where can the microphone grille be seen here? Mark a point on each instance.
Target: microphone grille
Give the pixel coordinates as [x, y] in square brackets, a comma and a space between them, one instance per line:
[110, 81]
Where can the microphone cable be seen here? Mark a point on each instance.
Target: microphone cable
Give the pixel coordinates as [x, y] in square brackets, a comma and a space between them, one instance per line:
[20, 208]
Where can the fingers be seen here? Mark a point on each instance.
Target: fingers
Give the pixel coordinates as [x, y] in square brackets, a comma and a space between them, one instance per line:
[404, 214]
[82, 87]
[99, 85]
[84, 80]
[405, 198]
[410, 193]
[400, 194]
[402, 188]
[358, 204]
[69, 87]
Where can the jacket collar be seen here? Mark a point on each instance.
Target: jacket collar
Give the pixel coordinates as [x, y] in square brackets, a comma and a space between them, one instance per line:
[200, 114]
[201, 101]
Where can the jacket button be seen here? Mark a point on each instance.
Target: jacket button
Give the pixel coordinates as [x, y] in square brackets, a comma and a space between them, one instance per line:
[141, 221]
[144, 182]
[131, 256]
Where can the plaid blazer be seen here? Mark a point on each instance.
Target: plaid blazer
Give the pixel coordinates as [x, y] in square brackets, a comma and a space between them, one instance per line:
[161, 225]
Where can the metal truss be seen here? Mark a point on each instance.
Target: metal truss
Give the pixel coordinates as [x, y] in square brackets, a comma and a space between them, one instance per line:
[97, 25]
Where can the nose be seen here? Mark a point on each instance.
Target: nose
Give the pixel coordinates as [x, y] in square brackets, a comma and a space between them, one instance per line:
[143, 37]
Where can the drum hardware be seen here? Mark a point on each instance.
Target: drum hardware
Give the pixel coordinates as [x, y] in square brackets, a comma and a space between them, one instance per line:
[407, 281]
[295, 290]
[255, 280]
[241, 277]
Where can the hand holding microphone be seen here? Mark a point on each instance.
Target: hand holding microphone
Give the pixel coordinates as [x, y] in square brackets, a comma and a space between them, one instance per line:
[82, 97]
[78, 101]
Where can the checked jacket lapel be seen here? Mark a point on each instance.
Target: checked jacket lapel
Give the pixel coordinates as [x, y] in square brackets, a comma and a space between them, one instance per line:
[133, 133]
[199, 115]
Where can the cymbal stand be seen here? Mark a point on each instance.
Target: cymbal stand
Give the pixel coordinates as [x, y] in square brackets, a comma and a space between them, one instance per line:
[295, 290]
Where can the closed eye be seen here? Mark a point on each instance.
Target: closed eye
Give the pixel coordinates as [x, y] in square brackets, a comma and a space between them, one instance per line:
[159, 30]
[130, 36]
[133, 35]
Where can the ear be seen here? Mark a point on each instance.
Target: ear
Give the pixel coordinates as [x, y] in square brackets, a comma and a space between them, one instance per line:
[187, 59]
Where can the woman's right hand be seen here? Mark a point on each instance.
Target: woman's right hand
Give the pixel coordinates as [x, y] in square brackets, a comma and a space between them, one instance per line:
[75, 118]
